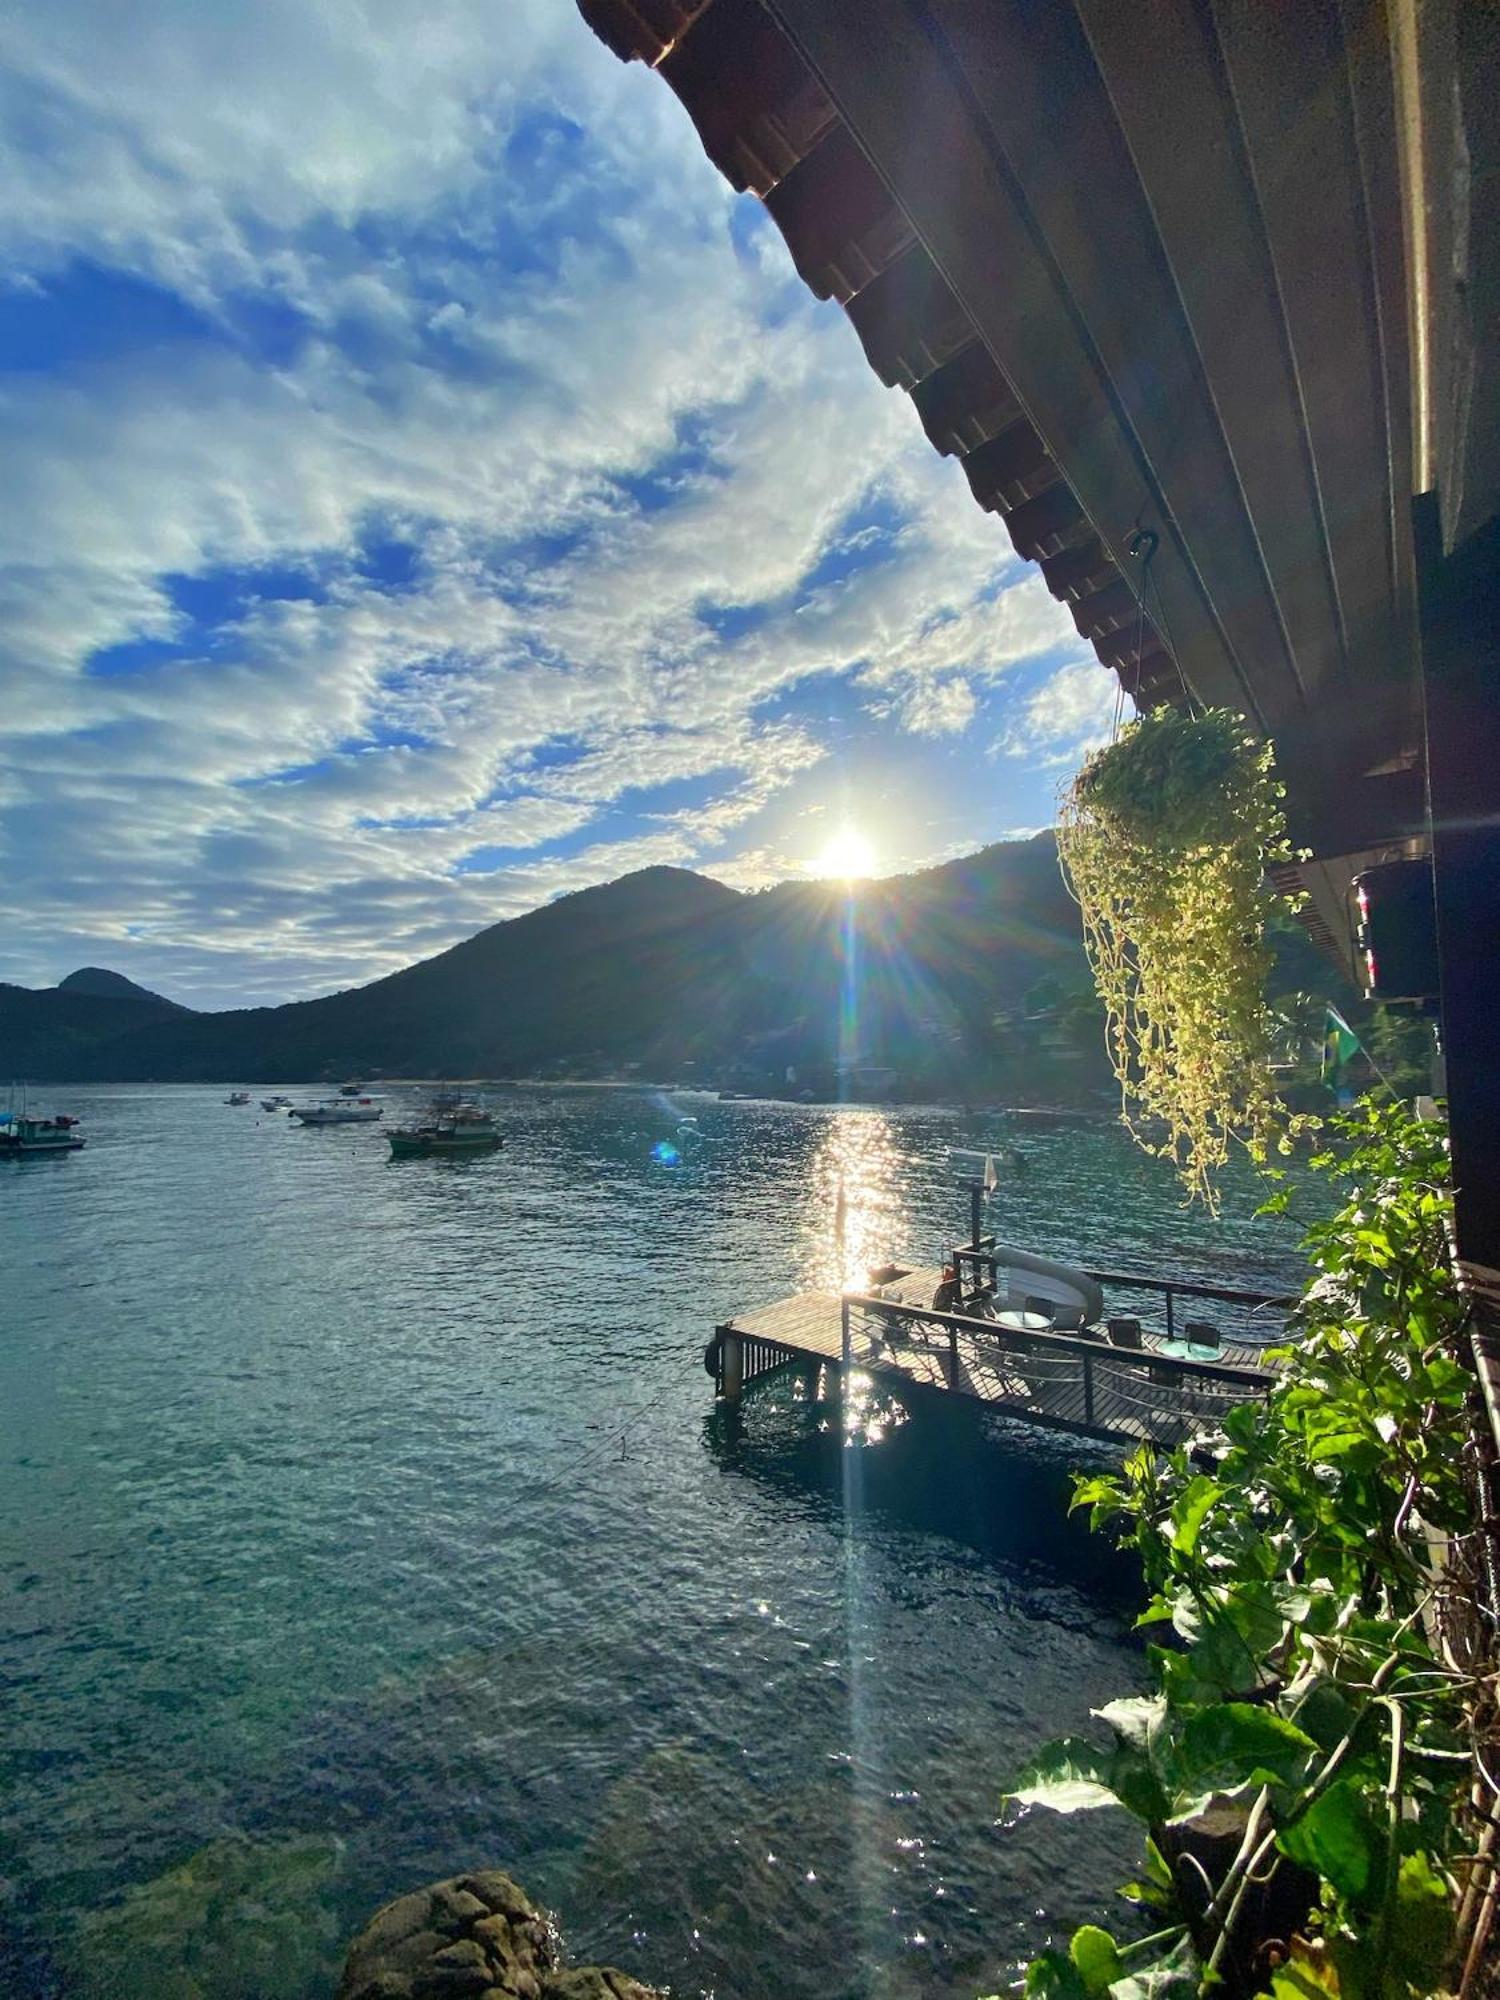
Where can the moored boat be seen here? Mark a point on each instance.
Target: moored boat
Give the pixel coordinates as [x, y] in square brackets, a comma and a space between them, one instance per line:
[449, 1125]
[338, 1111]
[21, 1135]
[238, 1097]
[276, 1103]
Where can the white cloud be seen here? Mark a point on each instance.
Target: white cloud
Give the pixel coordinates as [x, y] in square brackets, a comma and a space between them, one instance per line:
[1072, 712]
[465, 283]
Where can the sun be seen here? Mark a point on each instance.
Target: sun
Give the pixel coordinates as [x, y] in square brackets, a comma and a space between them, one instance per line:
[847, 857]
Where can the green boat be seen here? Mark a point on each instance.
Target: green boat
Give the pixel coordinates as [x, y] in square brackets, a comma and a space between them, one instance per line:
[449, 1125]
[25, 1137]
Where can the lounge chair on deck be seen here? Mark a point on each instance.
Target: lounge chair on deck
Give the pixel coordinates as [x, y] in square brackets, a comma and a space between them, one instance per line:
[1124, 1333]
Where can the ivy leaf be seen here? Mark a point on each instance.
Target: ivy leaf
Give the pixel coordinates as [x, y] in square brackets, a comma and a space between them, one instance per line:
[1245, 1744]
[1340, 1838]
[1096, 1957]
[1067, 1776]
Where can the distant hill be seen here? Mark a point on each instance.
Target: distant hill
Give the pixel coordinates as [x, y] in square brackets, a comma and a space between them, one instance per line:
[101, 984]
[60, 1033]
[664, 969]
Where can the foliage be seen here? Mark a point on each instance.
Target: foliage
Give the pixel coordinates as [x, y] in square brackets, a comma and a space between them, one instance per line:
[1165, 837]
[1400, 1046]
[1301, 1712]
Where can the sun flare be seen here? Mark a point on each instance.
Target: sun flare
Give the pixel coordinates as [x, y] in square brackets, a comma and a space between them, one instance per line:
[847, 857]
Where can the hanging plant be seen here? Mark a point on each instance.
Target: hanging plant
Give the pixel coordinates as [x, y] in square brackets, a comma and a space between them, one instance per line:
[1165, 838]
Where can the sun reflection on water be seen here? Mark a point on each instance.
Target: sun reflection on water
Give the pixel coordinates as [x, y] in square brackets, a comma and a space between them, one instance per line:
[842, 1243]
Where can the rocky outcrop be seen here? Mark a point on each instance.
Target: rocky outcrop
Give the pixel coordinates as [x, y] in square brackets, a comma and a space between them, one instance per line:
[473, 1937]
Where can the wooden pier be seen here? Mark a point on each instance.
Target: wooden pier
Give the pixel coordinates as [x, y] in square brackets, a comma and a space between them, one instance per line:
[1066, 1381]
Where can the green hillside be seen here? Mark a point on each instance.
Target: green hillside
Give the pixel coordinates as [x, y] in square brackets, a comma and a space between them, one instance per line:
[960, 979]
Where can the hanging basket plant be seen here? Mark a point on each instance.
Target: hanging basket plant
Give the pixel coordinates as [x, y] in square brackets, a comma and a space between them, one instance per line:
[1165, 838]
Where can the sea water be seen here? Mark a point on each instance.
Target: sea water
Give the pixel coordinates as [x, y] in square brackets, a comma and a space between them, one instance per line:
[363, 1521]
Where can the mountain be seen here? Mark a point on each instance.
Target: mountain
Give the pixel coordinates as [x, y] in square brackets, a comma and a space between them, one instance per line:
[101, 984]
[665, 969]
[61, 1033]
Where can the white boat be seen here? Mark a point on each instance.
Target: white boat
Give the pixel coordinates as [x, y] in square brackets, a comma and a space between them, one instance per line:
[276, 1103]
[339, 1111]
[238, 1097]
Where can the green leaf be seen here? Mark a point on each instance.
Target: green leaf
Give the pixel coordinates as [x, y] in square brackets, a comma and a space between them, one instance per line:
[1189, 1510]
[1335, 1445]
[1324, 1712]
[1340, 1838]
[1305, 1976]
[1050, 1976]
[1136, 1719]
[1068, 1776]
[1421, 1932]
[1175, 1976]
[1096, 1957]
[1238, 1742]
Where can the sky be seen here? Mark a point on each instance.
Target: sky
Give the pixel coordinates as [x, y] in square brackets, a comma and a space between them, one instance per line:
[429, 490]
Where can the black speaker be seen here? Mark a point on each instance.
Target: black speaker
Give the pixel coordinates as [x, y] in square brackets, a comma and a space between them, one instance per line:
[1397, 931]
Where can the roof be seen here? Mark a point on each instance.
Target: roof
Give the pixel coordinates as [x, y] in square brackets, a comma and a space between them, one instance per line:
[1146, 272]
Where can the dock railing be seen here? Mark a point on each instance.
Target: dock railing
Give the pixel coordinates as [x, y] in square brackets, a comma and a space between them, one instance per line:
[1067, 1380]
[1253, 1319]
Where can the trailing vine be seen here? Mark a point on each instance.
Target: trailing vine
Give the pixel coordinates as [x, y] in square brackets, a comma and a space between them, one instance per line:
[1304, 1761]
[1165, 837]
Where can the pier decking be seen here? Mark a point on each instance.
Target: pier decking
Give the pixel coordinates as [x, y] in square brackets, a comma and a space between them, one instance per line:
[1066, 1381]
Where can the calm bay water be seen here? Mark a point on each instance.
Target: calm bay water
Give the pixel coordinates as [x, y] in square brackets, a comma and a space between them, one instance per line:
[362, 1521]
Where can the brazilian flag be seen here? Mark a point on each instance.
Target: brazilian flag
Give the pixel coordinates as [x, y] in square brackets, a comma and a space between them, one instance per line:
[1340, 1043]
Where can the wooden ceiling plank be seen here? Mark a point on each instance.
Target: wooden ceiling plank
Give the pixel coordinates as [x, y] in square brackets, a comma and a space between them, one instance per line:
[1226, 283]
[757, 107]
[1289, 75]
[879, 67]
[1034, 77]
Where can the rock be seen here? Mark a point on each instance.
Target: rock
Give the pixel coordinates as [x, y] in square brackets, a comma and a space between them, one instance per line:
[499, 1892]
[474, 1937]
[463, 1967]
[522, 1954]
[597, 1982]
[396, 1921]
[240, 1919]
[384, 1986]
[454, 1908]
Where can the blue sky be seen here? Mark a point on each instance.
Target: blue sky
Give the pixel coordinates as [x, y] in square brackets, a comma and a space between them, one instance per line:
[429, 490]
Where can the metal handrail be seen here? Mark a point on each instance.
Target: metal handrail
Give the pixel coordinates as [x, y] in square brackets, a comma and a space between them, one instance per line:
[1038, 1340]
[1226, 1294]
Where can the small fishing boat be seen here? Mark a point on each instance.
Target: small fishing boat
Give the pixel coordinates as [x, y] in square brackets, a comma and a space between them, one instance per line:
[22, 1136]
[449, 1125]
[351, 1090]
[277, 1103]
[339, 1110]
[238, 1097]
